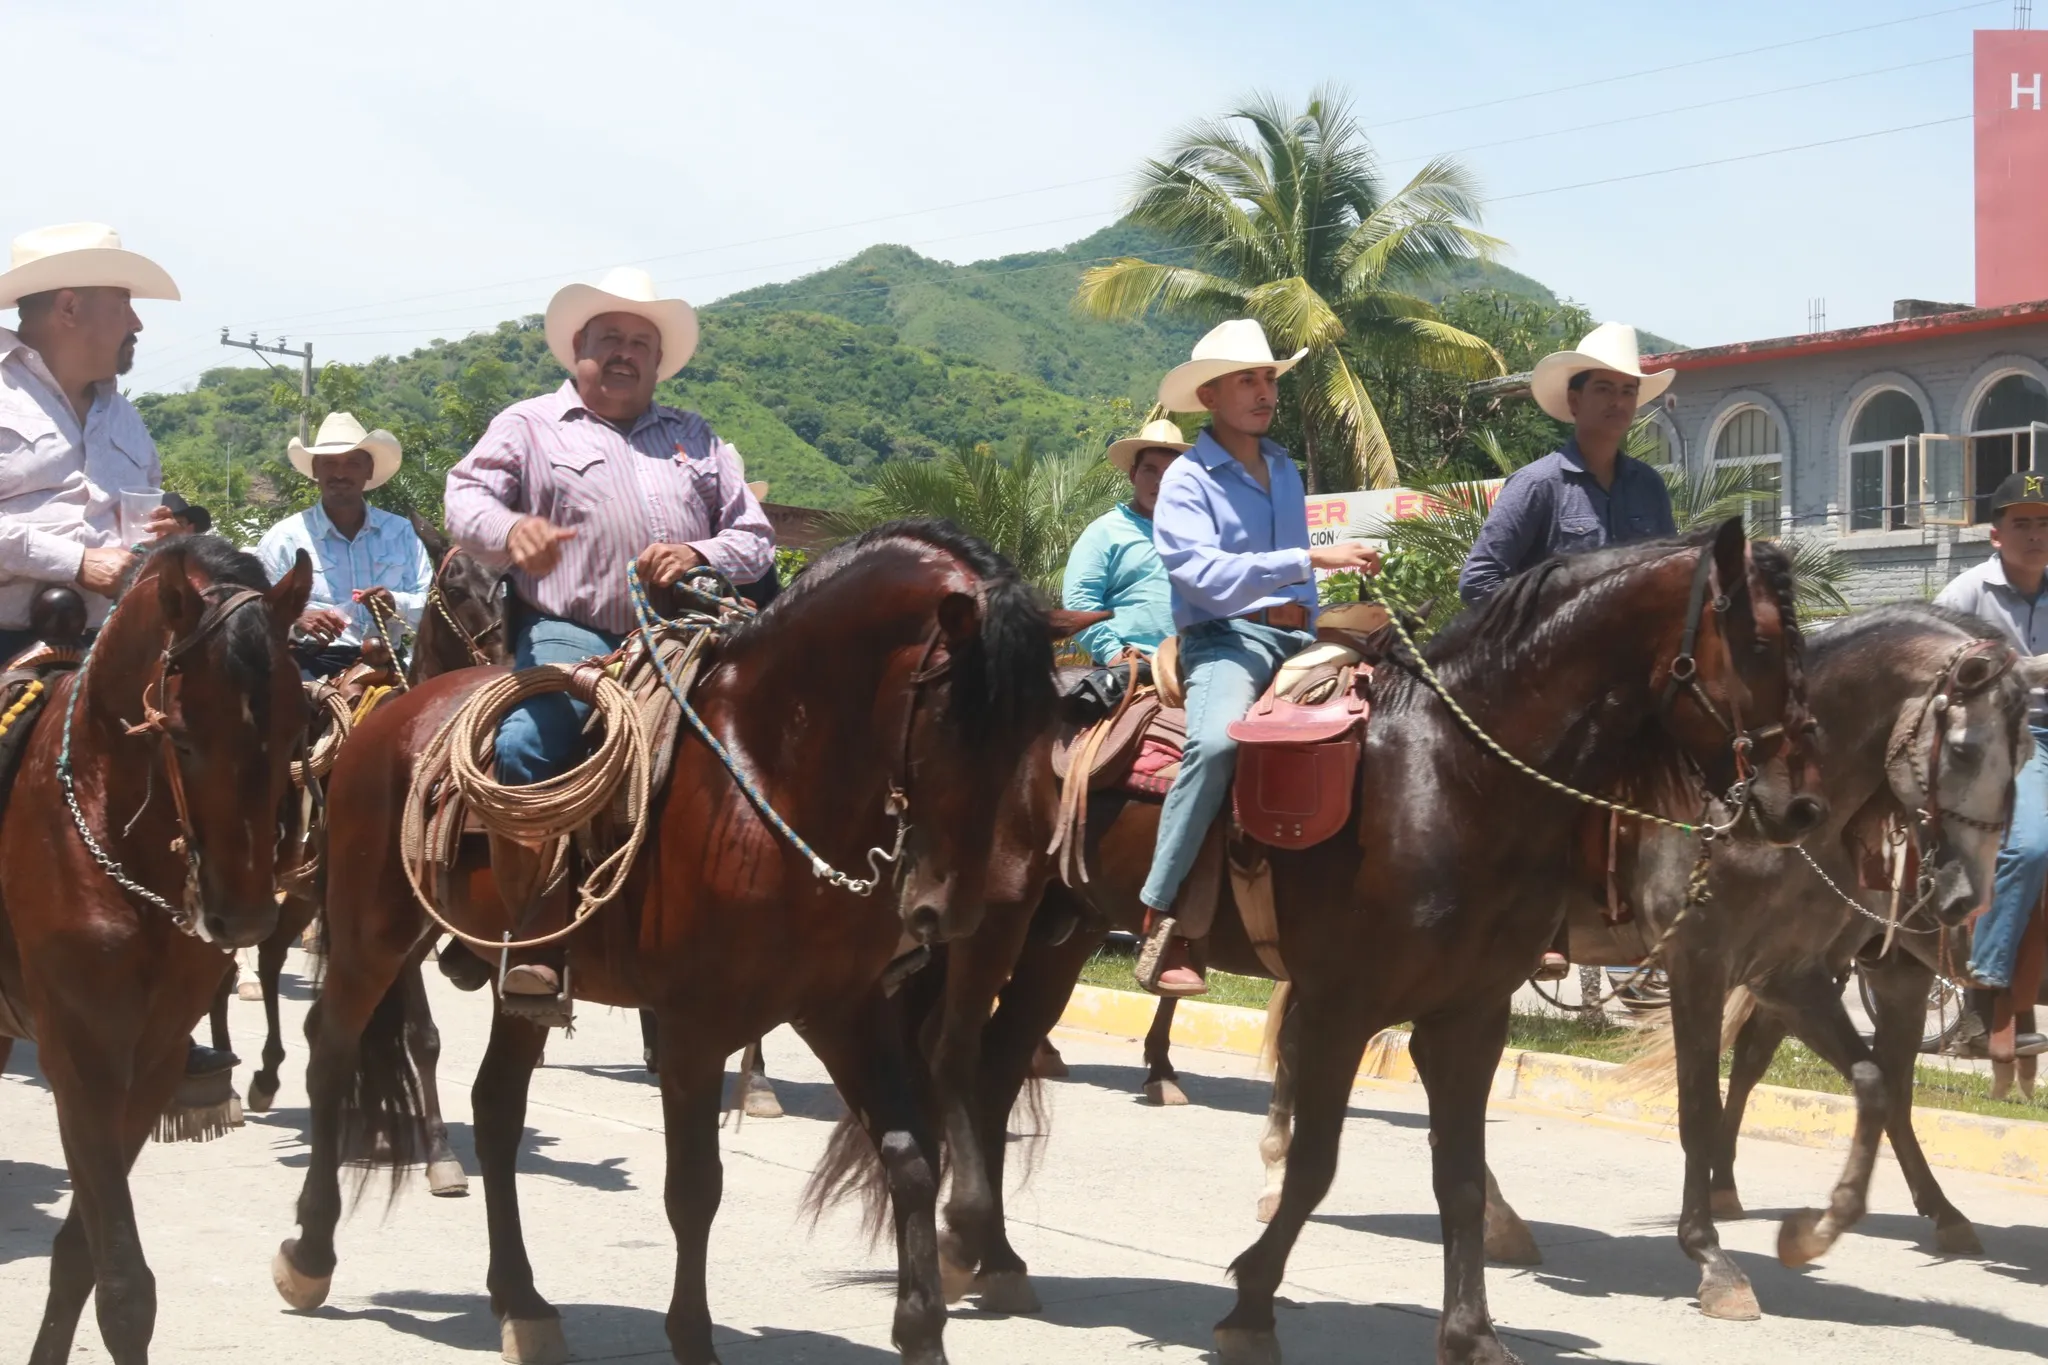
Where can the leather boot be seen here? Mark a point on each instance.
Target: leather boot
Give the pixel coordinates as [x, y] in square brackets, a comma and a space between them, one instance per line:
[1166, 965]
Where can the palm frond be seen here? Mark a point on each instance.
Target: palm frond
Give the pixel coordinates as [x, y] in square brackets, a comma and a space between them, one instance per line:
[1128, 289]
[1344, 422]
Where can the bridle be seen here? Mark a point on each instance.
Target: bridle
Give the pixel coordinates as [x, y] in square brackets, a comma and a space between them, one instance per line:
[156, 721]
[439, 601]
[1705, 599]
[1919, 753]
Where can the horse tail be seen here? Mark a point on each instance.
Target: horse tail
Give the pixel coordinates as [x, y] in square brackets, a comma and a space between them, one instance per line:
[383, 1113]
[1276, 1015]
[1653, 1058]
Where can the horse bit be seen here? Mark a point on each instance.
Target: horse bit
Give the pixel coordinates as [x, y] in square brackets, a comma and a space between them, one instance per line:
[473, 643]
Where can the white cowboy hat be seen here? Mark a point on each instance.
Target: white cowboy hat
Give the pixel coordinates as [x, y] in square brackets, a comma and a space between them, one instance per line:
[80, 256]
[1163, 434]
[1610, 346]
[340, 434]
[628, 289]
[1239, 344]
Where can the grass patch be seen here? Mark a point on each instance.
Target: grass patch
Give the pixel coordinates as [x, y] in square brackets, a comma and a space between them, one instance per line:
[1114, 963]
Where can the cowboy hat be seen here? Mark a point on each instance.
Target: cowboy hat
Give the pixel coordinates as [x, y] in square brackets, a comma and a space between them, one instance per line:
[342, 433]
[759, 489]
[1239, 344]
[80, 256]
[1163, 434]
[628, 289]
[1610, 346]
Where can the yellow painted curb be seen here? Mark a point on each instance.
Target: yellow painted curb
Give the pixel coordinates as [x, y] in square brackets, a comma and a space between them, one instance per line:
[2014, 1148]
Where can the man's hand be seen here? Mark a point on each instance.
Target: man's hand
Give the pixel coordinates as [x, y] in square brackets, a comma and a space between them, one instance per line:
[162, 522]
[536, 546]
[382, 605]
[662, 565]
[322, 623]
[100, 570]
[1345, 554]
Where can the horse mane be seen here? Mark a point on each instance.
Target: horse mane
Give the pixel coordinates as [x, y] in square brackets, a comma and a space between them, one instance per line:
[1853, 629]
[245, 635]
[1005, 687]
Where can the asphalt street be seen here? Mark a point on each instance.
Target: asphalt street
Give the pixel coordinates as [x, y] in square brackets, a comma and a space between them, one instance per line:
[1128, 1220]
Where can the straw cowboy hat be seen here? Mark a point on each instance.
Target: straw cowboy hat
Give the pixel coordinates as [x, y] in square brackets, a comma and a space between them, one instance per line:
[1239, 344]
[80, 256]
[340, 434]
[759, 488]
[1610, 346]
[1160, 435]
[628, 289]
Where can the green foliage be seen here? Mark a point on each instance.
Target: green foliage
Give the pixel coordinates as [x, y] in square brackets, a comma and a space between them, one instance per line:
[1282, 215]
[1031, 508]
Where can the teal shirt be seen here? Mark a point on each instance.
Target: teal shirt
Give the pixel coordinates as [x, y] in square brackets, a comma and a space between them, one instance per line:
[1114, 567]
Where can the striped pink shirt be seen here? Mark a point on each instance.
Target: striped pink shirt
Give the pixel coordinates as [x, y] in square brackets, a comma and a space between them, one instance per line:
[670, 480]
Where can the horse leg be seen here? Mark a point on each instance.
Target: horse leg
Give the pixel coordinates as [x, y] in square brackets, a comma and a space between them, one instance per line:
[691, 1080]
[1899, 985]
[269, 965]
[1755, 1045]
[1279, 1111]
[218, 1014]
[870, 1064]
[1814, 1005]
[760, 1102]
[530, 1328]
[1698, 985]
[1330, 1046]
[1162, 1082]
[71, 1277]
[445, 1175]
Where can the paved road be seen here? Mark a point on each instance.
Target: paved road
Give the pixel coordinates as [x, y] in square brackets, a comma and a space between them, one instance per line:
[1128, 1222]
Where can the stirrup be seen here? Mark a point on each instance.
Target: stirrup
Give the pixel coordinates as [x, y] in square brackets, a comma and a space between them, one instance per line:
[1152, 952]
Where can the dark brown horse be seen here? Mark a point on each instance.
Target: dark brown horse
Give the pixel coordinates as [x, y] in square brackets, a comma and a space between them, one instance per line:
[911, 661]
[463, 626]
[1434, 904]
[137, 844]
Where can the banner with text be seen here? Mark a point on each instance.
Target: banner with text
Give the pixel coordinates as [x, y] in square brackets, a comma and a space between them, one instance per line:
[1361, 516]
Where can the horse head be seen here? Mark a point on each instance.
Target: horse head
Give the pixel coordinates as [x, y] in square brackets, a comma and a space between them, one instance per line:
[193, 662]
[464, 625]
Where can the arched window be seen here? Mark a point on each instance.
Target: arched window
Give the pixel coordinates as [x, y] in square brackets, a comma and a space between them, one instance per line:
[1751, 439]
[1656, 447]
[2002, 433]
[1884, 463]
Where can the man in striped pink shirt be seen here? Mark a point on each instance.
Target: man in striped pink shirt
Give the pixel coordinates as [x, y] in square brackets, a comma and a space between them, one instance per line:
[575, 485]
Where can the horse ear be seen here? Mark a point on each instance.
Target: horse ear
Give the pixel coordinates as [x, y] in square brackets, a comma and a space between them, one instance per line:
[1064, 623]
[176, 594]
[1731, 559]
[287, 598]
[959, 618]
[430, 536]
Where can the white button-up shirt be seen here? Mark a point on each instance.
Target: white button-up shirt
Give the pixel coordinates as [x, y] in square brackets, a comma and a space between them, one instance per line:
[386, 553]
[60, 482]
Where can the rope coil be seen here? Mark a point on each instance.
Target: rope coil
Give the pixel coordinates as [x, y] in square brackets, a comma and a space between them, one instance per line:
[319, 761]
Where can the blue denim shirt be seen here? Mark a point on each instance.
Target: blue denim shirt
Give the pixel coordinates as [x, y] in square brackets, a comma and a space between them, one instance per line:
[1555, 506]
[1231, 547]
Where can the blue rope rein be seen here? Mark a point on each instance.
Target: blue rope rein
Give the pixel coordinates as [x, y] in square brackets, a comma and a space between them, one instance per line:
[649, 622]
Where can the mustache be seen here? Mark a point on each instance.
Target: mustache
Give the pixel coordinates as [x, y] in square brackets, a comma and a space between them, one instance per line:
[621, 365]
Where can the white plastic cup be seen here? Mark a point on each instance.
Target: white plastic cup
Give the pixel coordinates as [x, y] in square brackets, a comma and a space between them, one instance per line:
[137, 504]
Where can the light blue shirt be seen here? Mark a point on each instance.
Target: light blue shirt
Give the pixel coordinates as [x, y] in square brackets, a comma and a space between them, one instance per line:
[1230, 547]
[386, 553]
[1114, 567]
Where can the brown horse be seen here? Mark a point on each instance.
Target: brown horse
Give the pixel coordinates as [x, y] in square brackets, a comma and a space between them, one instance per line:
[1433, 905]
[136, 845]
[907, 671]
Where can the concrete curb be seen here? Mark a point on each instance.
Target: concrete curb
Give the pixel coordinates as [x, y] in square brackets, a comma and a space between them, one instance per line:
[2014, 1148]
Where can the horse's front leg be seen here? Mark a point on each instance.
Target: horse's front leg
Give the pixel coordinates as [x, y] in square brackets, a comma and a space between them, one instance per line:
[445, 1175]
[530, 1328]
[270, 954]
[217, 1016]
[1755, 1045]
[1899, 986]
[868, 1061]
[691, 1078]
[1698, 985]
[1813, 1003]
[1162, 1082]
[1279, 1132]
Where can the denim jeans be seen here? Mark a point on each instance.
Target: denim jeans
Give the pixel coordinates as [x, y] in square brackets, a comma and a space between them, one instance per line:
[543, 737]
[2021, 872]
[1224, 666]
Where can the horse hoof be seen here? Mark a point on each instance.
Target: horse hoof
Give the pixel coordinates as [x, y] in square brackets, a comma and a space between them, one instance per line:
[532, 1341]
[956, 1281]
[1957, 1238]
[1007, 1291]
[1508, 1239]
[1269, 1204]
[261, 1096]
[249, 990]
[761, 1102]
[1800, 1240]
[1725, 1206]
[1242, 1346]
[1732, 1301]
[447, 1178]
[236, 1116]
[303, 1292]
[1166, 1092]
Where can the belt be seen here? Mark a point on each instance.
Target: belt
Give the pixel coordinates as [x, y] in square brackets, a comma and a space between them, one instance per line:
[1290, 617]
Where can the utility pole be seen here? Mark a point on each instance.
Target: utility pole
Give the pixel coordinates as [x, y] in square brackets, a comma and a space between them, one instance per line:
[305, 356]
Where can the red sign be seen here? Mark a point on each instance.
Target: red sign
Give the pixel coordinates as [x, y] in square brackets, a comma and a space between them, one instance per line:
[2012, 167]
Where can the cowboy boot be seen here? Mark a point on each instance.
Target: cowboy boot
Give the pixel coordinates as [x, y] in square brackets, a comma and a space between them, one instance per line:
[1166, 963]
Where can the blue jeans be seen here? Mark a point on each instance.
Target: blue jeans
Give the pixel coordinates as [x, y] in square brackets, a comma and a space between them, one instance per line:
[2021, 872]
[1224, 666]
[543, 737]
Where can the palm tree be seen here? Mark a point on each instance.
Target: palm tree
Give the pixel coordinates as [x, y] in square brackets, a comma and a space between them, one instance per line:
[1030, 507]
[1292, 225]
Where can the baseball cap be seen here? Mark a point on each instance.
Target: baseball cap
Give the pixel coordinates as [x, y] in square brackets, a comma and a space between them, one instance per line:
[2025, 487]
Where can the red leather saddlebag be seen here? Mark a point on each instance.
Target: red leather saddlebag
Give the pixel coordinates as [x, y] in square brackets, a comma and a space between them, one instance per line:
[1296, 766]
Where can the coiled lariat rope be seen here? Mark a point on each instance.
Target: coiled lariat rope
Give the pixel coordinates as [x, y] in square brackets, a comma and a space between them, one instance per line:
[539, 814]
[340, 721]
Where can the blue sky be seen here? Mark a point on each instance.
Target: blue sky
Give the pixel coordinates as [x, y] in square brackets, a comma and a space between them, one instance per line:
[372, 175]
